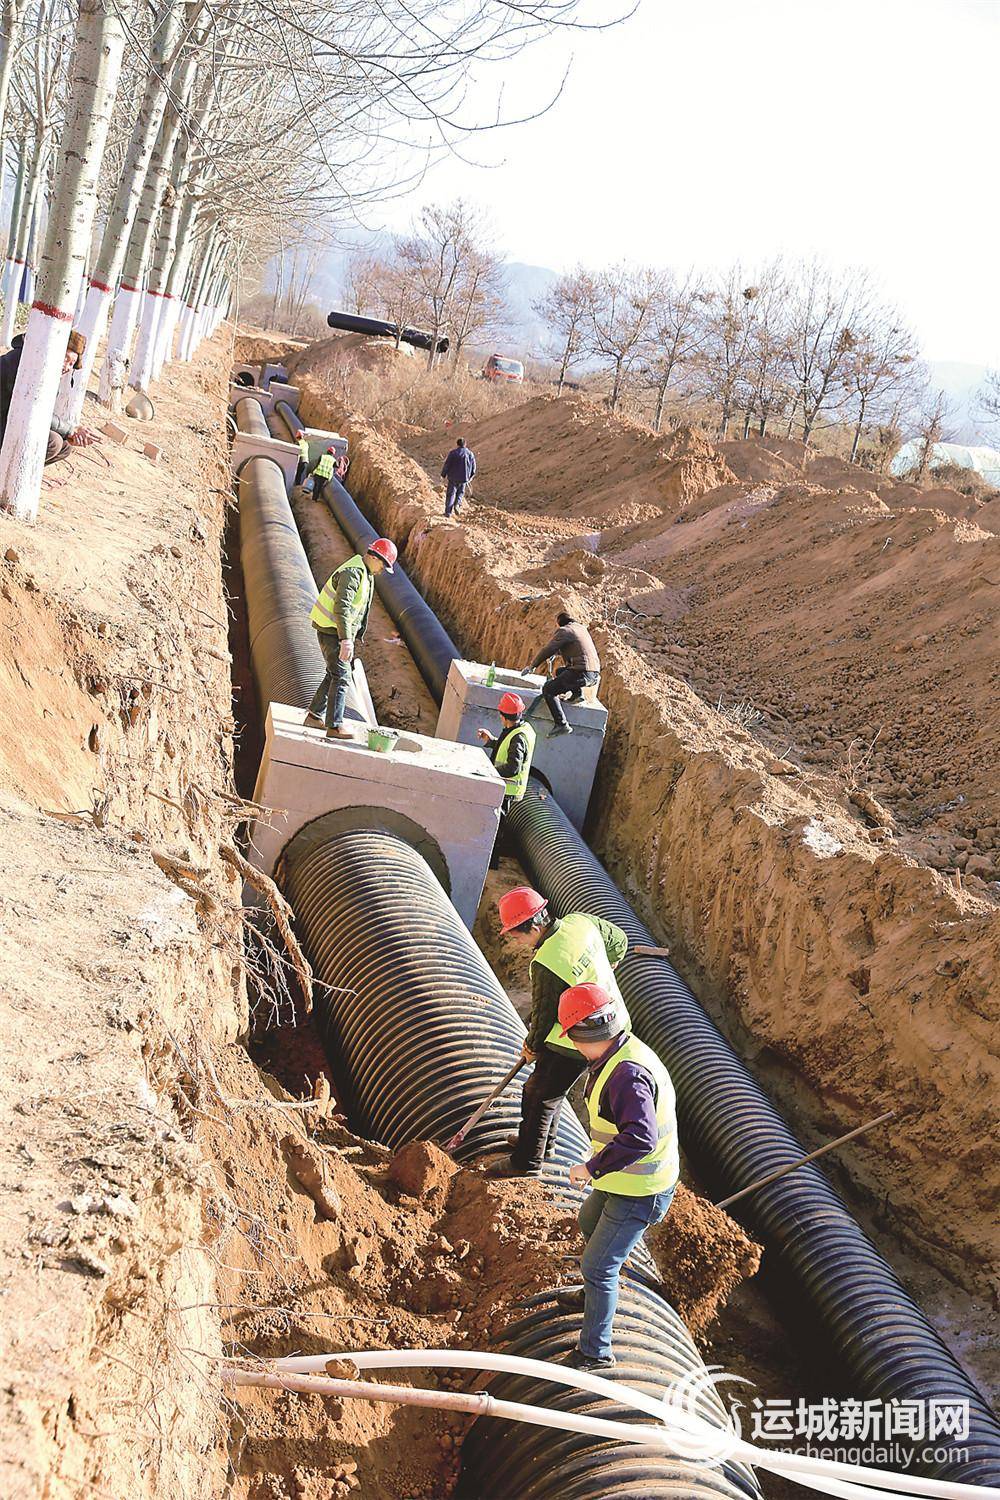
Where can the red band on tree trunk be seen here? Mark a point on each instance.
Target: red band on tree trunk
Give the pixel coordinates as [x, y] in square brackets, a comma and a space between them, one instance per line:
[126, 288]
[52, 312]
[99, 286]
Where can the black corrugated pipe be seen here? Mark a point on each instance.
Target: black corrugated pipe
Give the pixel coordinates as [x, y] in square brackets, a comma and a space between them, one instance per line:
[351, 323]
[728, 1122]
[288, 417]
[877, 1330]
[249, 415]
[280, 593]
[418, 1030]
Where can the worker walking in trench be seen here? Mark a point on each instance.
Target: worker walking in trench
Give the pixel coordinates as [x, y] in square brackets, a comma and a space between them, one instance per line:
[302, 444]
[323, 472]
[581, 668]
[340, 618]
[634, 1166]
[565, 951]
[511, 752]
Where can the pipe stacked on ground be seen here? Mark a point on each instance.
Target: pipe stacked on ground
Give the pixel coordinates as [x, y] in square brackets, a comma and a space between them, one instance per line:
[418, 1030]
[727, 1120]
[280, 592]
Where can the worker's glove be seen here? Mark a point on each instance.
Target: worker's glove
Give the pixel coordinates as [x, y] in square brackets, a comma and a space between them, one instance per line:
[82, 437]
[579, 1174]
[527, 1053]
[484, 735]
[346, 650]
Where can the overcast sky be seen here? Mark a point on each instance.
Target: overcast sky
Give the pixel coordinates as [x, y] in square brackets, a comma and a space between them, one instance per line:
[704, 131]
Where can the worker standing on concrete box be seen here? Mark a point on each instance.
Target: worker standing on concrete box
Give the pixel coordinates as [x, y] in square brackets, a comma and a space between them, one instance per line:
[340, 618]
[581, 668]
[511, 752]
[634, 1166]
[323, 473]
[566, 951]
[303, 463]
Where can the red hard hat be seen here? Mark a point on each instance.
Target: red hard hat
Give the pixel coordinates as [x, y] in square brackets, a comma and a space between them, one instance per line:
[511, 705]
[331, 450]
[386, 550]
[299, 433]
[579, 1002]
[518, 906]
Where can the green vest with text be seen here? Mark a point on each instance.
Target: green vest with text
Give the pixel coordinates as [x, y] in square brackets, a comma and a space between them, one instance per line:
[576, 953]
[324, 469]
[660, 1168]
[303, 449]
[515, 786]
[355, 608]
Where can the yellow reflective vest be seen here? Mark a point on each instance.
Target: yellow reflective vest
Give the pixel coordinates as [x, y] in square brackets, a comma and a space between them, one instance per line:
[304, 449]
[345, 613]
[324, 468]
[515, 786]
[576, 953]
[659, 1169]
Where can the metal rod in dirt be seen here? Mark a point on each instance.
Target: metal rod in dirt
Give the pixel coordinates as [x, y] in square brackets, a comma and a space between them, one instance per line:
[792, 1165]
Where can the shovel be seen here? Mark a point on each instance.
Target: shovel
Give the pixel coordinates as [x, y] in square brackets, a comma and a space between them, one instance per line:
[480, 1110]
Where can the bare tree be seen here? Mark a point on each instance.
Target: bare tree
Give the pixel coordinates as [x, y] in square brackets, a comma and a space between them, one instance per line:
[436, 255]
[567, 310]
[479, 301]
[622, 319]
[676, 335]
[361, 283]
[728, 346]
[988, 398]
[827, 315]
[877, 369]
[934, 428]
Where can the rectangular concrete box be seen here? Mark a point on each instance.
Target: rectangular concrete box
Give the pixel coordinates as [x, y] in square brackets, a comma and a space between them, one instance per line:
[270, 373]
[319, 441]
[279, 391]
[246, 446]
[568, 764]
[237, 392]
[252, 370]
[443, 798]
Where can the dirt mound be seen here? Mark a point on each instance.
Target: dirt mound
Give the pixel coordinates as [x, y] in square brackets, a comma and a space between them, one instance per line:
[570, 456]
[344, 352]
[702, 1256]
[421, 1169]
[254, 345]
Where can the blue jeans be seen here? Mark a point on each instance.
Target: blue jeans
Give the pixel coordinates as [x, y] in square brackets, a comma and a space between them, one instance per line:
[454, 496]
[612, 1225]
[332, 691]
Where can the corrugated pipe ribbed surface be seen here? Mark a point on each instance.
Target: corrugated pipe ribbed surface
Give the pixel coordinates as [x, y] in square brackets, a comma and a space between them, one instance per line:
[280, 593]
[728, 1121]
[418, 1030]
[249, 416]
[288, 418]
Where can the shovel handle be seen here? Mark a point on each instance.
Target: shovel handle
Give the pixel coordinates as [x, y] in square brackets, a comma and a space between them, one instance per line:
[481, 1109]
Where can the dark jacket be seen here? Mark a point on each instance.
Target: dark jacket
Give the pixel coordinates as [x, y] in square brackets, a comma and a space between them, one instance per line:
[573, 643]
[459, 466]
[629, 1099]
[546, 987]
[9, 365]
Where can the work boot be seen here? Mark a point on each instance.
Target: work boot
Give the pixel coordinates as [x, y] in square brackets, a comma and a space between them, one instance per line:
[558, 729]
[577, 1360]
[338, 732]
[571, 1299]
[506, 1168]
[550, 1149]
[313, 721]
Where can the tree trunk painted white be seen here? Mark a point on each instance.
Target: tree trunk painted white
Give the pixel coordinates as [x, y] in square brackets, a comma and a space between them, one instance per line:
[7, 282]
[107, 267]
[18, 259]
[99, 44]
[119, 342]
[10, 16]
[193, 303]
[159, 271]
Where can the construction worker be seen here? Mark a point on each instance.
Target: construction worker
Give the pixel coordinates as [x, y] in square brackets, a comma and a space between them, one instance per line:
[340, 618]
[633, 1169]
[581, 668]
[303, 463]
[565, 951]
[61, 437]
[510, 751]
[323, 472]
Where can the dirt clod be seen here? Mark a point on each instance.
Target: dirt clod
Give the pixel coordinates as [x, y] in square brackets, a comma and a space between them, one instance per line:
[702, 1256]
[421, 1169]
[306, 1165]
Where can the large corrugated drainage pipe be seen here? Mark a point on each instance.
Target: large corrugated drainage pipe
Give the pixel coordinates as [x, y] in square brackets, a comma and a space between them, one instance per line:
[727, 1120]
[249, 415]
[418, 1030]
[280, 592]
[731, 1127]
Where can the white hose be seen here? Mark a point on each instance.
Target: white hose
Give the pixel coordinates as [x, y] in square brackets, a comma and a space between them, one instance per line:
[688, 1430]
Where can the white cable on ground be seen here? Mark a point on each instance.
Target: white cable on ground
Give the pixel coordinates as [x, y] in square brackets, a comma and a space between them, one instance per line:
[690, 1436]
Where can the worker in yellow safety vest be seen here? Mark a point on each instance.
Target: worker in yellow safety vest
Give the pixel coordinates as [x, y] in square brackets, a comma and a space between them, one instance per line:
[568, 950]
[633, 1167]
[323, 472]
[339, 618]
[302, 443]
[511, 752]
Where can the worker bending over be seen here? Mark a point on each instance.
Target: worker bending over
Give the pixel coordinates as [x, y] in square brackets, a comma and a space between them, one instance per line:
[323, 472]
[565, 951]
[581, 668]
[634, 1165]
[510, 751]
[340, 618]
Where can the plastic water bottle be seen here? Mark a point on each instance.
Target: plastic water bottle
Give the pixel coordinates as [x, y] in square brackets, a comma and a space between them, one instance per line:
[491, 675]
